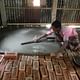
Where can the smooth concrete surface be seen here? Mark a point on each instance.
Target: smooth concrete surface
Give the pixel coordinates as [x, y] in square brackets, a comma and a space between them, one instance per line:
[12, 42]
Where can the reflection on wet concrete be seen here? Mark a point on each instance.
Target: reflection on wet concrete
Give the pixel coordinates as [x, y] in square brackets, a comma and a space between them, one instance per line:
[12, 41]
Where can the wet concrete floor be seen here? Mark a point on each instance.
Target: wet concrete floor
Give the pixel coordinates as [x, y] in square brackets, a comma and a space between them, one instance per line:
[12, 42]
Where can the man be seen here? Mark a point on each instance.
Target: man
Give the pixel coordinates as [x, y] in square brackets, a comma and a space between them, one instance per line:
[67, 35]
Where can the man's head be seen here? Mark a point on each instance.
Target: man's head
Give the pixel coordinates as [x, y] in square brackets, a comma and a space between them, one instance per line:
[56, 25]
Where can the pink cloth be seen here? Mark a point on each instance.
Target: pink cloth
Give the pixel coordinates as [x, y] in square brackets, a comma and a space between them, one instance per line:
[66, 32]
[50, 32]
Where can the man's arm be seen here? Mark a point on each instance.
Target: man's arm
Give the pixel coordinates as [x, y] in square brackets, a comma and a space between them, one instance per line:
[44, 35]
[65, 42]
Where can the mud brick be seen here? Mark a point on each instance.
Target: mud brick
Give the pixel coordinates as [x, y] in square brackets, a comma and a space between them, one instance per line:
[45, 78]
[28, 78]
[21, 75]
[24, 58]
[60, 78]
[14, 73]
[13, 79]
[66, 58]
[22, 66]
[55, 61]
[1, 70]
[74, 77]
[36, 75]
[35, 65]
[66, 75]
[28, 71]
[19, 57]
[4, 62]
[59, 55]
[48, 58]
[70, 67]
[35, 58]
[62, 64]
[29, 60]
[16, 63]
[6, 76]
[8, 66]
[52, 76]
[42, 61]
[58, 70]
[43, 71]
[1, 57]
[10, 55]
[49, 66]
[41, 57]
[1, 73]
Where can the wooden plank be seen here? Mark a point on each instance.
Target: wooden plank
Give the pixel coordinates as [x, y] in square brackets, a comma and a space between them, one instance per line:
[58, 70]
[35, 65]
[74, 77]
[28, 71]
[43, 71]
[49, 66]
[36, 75]
[6, 76]
[52, 75]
